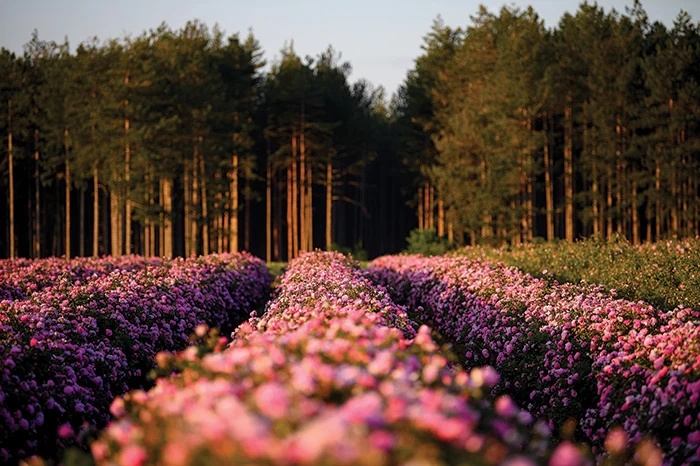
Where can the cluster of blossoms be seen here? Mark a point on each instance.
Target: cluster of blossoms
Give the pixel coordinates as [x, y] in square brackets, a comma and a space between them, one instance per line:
[66, 353]
[564, 351]
[20, 278]
[333, 373]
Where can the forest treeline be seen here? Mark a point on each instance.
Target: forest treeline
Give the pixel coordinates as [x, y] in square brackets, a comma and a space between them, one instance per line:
[176, 142]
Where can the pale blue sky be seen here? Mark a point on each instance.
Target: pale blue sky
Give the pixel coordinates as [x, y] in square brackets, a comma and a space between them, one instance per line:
[380, 38]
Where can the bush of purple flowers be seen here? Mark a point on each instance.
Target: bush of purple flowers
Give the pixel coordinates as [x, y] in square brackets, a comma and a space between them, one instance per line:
[21, 277]
[67, 351]
[567, 350]
[333, 373]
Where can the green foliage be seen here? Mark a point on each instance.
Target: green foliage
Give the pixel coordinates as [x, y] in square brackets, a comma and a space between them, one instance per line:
[665, 274]
[357, 252]
[427, 243]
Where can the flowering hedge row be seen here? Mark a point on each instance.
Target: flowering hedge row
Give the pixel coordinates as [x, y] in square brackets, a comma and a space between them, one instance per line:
[20, 278]
[67, 353]
[564, 351]
[332, 373]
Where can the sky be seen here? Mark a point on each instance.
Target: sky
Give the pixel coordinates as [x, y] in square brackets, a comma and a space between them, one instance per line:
[380, 38]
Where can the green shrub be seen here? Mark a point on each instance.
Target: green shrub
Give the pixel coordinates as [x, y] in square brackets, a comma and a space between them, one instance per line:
[427, 243]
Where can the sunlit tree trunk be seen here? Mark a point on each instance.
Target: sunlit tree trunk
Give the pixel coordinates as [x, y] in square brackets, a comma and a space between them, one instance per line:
[127, 175]
[37, 198]
[329, 204]
[309, 209]
[635, 215]
[95, 213]
[486, 228]
[167, 246]
[290, 250]
[421, 218]
[302, 189]
[295, 199]
[246, 217]
[277, 217]
[426, 207]
[268, 211]
[11, 166]
[548, 187]
[233, 228]
[568, 170]
[205, 213]
[114, 217]
[441, 218]
[195, 200]
[187, 209]
[68, 183]
[81, 242]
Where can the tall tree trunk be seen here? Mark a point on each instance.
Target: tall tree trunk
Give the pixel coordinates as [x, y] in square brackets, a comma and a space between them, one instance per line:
[290, 249]
[486, 228]
[657, 191]
[596, 206]
[114, 217]
[309, 209]
[277, 218]
[568, 170]
[609, 204]
[167, 246]
[151, 223]
[441, 218]
[195, 200]
[95, 213]
[618, 174]
[302, 189]
[220, 216]
[233, 229]
[635, 214]
[426, 206]
[295, 199]
[205, 214]
[37, 198]
[11, 164]
[81, 244]
[187, 209]
[674, 202]
[246, 215]
[268, 209]
[68, 183]
[548, 187]
[127, 188]
[329, 203]
[421, 203]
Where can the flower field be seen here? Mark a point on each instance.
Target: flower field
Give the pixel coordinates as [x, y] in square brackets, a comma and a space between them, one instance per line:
[70, 348]
[430, 361]
[333, 373]
[564, 351]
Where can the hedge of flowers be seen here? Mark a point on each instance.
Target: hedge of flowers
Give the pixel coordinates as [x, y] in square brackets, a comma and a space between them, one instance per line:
[564, 350]
[333, 373]
[21, 277]
[67, 353]
[665, 274]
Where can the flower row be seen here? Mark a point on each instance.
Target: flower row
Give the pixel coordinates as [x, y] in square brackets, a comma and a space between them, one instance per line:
[564, 351]
[66, 353]
[20, 278]
[332, 373]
